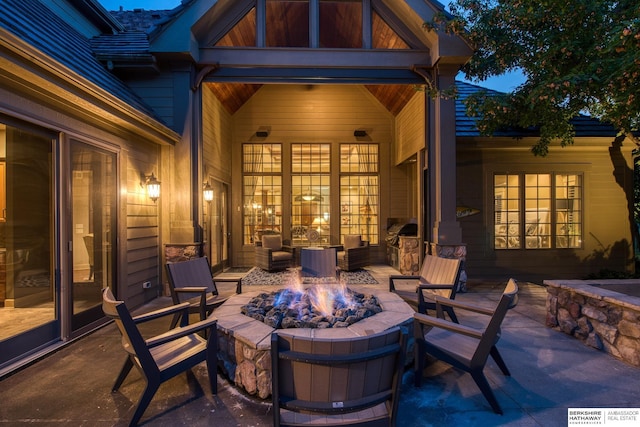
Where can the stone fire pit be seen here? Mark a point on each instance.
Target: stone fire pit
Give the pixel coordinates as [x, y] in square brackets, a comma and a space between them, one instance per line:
[244, 343]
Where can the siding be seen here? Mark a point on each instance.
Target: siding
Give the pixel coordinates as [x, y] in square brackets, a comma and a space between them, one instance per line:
[410, 128]
[607, 229]
[216, 137]
[306, 113]
[142, 261]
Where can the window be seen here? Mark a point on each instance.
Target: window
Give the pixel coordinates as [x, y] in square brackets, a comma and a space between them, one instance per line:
[359, 191]
[311, 193]
[262, 190]
[537, 211]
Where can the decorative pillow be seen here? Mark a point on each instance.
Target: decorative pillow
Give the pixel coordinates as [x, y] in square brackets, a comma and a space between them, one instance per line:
[273, 242]
[352, 241]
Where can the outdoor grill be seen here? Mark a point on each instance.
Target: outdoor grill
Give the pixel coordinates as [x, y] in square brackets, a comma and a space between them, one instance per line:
[394, 231]
[397, 228]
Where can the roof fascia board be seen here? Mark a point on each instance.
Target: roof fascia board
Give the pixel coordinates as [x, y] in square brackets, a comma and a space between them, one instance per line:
[171, 38]
[319, 58]
[98, 15]
[52, 81]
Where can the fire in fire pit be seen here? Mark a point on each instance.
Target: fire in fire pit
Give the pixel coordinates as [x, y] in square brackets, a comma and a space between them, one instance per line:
[321, 306]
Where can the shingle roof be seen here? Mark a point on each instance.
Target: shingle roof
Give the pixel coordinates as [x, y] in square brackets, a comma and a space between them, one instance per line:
[584, 126]
[34, 23]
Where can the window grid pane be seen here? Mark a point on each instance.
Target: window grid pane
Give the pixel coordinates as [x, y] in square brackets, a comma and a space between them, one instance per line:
[310, 208]
[549, 215]
[310, 158]
[358, 207]
[507, 211]
[359, 191]
[359, 158]
[568, 211]
[261, 190]
[537, 205]
[262, 158]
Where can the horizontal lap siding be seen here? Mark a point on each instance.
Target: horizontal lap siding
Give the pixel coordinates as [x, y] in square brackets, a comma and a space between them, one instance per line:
[142, 222]
[216, 137]
[607, 235]
[303, 114]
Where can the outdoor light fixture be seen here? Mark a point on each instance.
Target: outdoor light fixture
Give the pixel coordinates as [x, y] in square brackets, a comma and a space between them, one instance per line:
[207, 193]
[153, 186]
[263, 131]
[359, 133]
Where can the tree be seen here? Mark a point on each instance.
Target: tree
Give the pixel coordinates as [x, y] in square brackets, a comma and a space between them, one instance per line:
[579, 56]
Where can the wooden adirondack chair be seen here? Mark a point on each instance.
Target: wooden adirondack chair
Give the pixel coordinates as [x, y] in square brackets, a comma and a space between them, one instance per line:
[162, 357]
[438, 276]
[342, 381]
[191, 281]
[462, 346]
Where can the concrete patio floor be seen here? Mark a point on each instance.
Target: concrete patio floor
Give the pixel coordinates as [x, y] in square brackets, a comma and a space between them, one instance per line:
[551, 372]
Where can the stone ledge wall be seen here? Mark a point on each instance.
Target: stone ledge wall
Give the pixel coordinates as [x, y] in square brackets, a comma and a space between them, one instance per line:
[600, 318]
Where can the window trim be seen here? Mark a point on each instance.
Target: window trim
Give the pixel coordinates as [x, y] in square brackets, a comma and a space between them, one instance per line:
[552, 235]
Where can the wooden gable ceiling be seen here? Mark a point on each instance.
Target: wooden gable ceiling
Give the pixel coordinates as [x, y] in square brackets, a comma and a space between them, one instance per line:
[287, 26]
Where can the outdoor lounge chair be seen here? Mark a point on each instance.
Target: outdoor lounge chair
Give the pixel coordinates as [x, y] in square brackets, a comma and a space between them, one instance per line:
[438, 276]
[191, 281]
[341, 381]
[353, 254]
[164, 356]
[272, 254]
[461, 346]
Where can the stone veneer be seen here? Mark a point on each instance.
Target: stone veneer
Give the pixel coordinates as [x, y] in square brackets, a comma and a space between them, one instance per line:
[601, 318]
[244, 344]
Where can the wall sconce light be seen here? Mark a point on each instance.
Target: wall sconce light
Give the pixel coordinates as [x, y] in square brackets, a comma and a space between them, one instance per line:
[207, 192]
[359, 133]
[152, 185]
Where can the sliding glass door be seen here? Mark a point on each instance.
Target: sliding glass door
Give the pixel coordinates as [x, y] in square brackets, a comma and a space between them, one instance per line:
[93, 229]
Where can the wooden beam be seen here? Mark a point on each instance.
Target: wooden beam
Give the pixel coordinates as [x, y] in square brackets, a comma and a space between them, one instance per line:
[319, 58]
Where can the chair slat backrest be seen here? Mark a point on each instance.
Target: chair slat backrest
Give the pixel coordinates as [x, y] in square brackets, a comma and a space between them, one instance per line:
[441, 271]
[193, 272]
[132, 339]
[508, 300]
[328, 376]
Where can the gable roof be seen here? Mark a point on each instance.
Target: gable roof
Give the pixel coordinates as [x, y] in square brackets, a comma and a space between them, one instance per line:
[34, 23]
[584, 126]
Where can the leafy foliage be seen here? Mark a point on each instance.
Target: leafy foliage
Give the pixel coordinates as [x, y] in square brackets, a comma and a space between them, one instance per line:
[579, 56]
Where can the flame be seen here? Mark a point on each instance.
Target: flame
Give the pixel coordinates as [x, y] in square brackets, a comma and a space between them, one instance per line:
[322, 298]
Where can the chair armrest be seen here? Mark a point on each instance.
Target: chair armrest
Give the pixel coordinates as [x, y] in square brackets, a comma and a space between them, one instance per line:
[394, 277]
[190, 290]
[161, 312]
[463, 305]
[436, 322]
[358, 249]
[288, 248]
[181, 331]
[237, 281]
